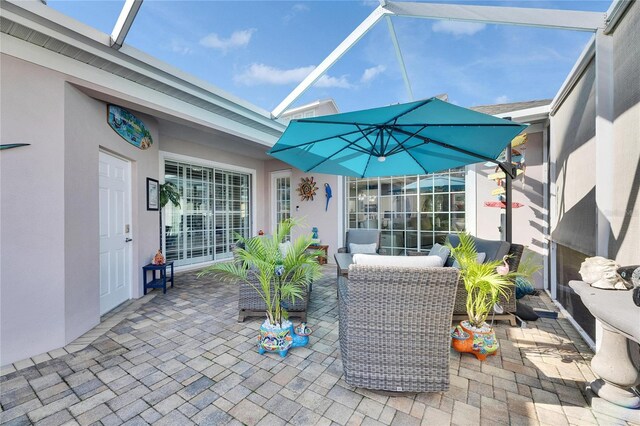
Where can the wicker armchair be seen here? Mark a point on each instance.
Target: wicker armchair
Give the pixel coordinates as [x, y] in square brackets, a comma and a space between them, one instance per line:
[395, 327]
[361, 236]
[250, 304]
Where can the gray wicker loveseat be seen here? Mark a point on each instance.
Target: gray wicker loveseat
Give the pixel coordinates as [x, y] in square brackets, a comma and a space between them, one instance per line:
[494, 250]
[395, 327]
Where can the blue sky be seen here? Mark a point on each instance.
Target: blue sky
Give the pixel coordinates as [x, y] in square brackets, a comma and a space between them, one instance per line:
[259, 51]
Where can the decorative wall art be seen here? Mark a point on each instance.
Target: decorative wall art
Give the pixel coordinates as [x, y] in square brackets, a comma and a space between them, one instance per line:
[153, 191]
[327, 193]
[129, 127]
[307, 188]
[12, 145]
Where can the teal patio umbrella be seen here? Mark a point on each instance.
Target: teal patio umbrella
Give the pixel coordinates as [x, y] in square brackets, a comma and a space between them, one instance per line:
[413, 138]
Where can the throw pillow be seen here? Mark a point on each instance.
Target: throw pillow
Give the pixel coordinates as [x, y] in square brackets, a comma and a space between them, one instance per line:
[480, 259]
[363, 248]
[402, 261]
[441, 251]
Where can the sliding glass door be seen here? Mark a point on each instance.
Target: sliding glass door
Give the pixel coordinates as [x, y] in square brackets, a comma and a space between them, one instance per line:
[215, 206]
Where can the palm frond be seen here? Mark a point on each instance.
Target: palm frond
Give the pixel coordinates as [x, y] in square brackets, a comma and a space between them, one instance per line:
[257, 258]
[483, 284]
[169, 193]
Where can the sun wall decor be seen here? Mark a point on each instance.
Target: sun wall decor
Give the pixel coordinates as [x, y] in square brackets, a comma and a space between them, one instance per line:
[307, 188]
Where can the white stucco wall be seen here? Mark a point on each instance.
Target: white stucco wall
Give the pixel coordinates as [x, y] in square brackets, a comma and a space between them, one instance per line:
[312, 212]
[32, 221]
[49, 208]
[528, 221]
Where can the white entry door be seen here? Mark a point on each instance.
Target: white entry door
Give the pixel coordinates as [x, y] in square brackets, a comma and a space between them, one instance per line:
[115, 231]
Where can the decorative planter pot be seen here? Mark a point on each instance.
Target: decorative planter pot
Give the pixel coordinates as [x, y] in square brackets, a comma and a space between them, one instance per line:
[480, 342]
[281, 339]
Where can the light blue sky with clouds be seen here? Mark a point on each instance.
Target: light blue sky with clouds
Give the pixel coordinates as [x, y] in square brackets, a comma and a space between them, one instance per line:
[260, 51]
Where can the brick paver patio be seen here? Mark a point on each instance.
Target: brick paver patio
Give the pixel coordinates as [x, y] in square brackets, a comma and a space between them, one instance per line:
[182, 359]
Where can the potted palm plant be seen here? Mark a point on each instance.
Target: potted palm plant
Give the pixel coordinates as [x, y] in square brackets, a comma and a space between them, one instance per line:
[484, 283]
[280, 272]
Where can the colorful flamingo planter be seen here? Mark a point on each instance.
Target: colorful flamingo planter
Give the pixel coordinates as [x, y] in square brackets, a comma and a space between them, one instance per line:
[480, 342]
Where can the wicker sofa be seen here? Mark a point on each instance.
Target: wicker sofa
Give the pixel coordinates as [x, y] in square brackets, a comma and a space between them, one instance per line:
[494, 250]
[394, 327]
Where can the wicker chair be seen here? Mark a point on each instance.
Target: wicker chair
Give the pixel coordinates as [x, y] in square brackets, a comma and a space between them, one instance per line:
[361, 236]
[395, 327]
[250, 304]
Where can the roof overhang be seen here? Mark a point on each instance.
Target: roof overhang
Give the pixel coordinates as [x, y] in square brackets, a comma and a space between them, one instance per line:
[528, 115]
[29, 25]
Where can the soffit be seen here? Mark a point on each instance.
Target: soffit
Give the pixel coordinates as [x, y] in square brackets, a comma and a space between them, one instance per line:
[206, 100]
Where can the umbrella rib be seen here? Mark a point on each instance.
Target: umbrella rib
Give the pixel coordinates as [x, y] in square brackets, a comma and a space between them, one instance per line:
[454, 148]
[510, 124]
[286, 148]
[364, 172]
[401, 145]
[350, 144]
[366, 137]
[397, 149]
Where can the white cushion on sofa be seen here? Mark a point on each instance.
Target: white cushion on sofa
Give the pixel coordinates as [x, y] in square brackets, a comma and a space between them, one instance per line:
[363, 248]
[406, 261]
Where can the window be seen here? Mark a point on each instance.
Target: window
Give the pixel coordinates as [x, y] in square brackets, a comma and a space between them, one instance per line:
[412, 212]
[214, 207]
[281, 196]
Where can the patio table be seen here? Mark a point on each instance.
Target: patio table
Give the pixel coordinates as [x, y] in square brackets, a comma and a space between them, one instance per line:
[343, 260]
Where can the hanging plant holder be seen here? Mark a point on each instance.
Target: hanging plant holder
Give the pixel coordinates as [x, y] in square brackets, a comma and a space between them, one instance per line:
[307, 188]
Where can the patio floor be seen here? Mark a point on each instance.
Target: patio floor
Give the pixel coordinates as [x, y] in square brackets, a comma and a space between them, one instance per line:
[182, 358]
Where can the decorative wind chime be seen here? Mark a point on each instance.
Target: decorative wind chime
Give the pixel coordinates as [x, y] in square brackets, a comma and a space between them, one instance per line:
[518, 160]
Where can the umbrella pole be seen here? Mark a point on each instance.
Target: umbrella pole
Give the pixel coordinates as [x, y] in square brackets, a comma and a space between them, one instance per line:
[507, 196]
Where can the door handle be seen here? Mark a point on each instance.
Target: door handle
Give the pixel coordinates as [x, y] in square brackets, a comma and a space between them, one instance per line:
[128, 240]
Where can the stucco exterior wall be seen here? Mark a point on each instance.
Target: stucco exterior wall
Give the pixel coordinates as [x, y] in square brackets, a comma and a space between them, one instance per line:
[529, 221]
[86, 133]
[49, 207]
[32, 214]
[312, 212]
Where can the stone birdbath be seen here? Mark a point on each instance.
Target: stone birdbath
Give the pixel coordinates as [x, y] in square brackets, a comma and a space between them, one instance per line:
[620, 319]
